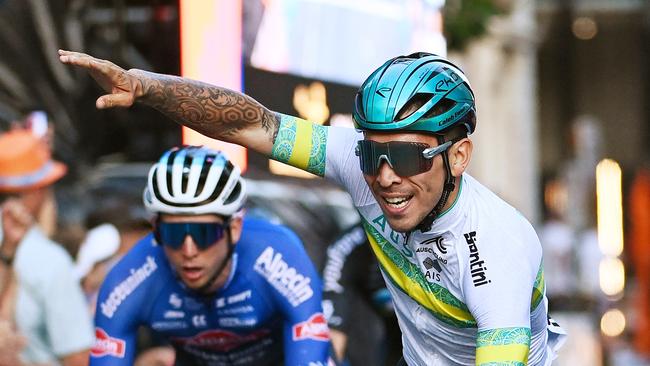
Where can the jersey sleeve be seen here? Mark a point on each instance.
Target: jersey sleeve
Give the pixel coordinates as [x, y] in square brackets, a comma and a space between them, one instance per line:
[499, 281]
[295, 288]
[123, 300]
[325, 151]
[343, 164]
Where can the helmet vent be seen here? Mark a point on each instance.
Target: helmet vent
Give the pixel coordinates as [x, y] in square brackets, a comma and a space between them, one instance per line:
[203, 177]
[358, 106]
[186, 170]
[442, 107]
[417, 101]
[223, 179]
[170, 164]
[234, 194]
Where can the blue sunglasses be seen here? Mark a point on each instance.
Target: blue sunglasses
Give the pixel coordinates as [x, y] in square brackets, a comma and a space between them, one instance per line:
[204, 234]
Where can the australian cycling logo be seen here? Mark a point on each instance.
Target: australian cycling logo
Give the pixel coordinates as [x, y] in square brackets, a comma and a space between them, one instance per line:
[106, 345]
[476, 265]
[126, 287]
[314, 328]
[426, 246]
[291, 284]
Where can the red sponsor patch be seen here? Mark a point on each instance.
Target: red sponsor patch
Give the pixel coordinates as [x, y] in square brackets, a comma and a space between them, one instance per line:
[106, 345]
[313, 328]
[221, 340]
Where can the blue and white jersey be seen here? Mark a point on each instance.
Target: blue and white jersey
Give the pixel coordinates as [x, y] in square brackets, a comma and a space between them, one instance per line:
[268, 311]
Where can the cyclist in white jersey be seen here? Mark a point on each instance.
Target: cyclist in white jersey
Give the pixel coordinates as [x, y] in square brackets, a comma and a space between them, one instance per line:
[464, 268]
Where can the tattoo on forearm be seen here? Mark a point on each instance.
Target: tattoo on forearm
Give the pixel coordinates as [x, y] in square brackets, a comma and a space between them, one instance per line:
[211, 110]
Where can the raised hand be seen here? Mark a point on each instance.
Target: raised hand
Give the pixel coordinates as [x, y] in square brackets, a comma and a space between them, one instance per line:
[123, 88]
[16, 221]
[214, 111]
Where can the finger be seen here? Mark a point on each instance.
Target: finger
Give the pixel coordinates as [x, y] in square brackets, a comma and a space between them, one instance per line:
[68, 56]
[72, 53]
[114, 100]
[79, 59]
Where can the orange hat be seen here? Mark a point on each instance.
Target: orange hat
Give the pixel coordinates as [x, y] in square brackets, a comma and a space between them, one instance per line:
[26, 162]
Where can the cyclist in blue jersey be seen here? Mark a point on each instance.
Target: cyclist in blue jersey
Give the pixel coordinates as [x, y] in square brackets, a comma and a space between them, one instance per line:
[223, 289]
[463, 267]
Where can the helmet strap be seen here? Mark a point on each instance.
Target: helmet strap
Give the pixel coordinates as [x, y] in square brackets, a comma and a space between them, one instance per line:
[231, 249]
[449, 186]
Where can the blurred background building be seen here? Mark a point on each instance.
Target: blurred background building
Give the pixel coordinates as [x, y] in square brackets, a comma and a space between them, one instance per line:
[561, 85]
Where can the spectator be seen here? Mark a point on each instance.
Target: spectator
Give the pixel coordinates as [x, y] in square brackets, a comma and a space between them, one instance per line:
[354, 295]
[95, 254]
[58, 330]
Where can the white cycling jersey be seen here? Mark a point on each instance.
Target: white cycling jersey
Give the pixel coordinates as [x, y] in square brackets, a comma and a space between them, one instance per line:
[468, 291]
[477, 270]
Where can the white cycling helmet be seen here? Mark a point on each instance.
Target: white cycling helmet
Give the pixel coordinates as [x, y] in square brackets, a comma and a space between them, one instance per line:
[194, 180]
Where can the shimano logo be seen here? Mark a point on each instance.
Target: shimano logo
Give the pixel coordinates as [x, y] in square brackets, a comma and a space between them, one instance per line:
[476, 265]
[126, 287]
[291, 284]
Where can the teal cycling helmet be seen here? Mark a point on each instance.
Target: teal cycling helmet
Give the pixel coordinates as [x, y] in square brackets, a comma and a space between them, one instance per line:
[421, 92]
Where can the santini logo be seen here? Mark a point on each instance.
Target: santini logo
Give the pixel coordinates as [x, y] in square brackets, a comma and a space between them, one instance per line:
[476, 265]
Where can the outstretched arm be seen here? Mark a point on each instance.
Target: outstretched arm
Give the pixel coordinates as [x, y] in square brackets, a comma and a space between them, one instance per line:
[216, 112]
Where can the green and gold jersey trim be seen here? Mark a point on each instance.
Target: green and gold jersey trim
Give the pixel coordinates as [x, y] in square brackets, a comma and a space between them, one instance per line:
[408, 278]
[302, 144]
[538, 288]
[504, 346]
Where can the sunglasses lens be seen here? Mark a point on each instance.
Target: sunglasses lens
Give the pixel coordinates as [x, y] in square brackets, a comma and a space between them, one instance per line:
[405, 158]
[203, 234]
[367, 157]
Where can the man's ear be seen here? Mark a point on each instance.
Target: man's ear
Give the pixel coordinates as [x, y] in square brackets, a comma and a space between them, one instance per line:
[236, 226]
[460, 154]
